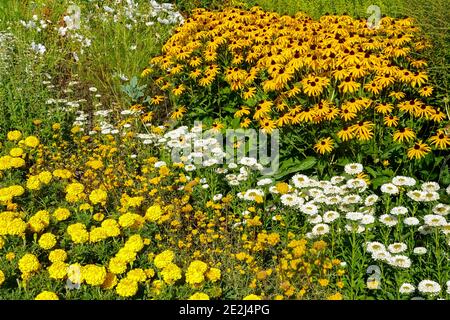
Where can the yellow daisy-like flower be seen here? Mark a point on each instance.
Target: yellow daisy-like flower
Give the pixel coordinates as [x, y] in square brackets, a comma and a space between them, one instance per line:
[325, 145]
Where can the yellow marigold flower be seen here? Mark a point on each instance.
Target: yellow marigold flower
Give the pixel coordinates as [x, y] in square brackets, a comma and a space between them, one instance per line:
[137, 275]
[2, 277]
[111, 227]
[93, 275]
[252, 297]
[16, 152]
[63, 174]
[199, 296]
[39, 221]
[58, 270]
[29, 263]
[47, 295]
[47, 241]
[134, 243]
[45, 177]
[213, 274]
[98, 196]
[78, 233]
[150, 273]
[14, 135]
[153, 213]
[95, 164]
[163, 259]
[195, 272]
[117, 265]
[10, 256]
[171, 273]
[57, 255]
[319, 245]
[31, 141]
[336, 296]
[323, 282]
[127, 287]
[33, 183]
[61, 214]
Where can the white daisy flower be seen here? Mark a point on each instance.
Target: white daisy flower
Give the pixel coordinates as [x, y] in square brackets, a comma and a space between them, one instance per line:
[370, 200]
[389, 188]
[189, 167]
[406, 288]
[429, 287]
[420, 250]
[330, 216]
[416, 195]
[301, 181]
[332, 190]
[353, 168]
[400, 261]
[441, 209]
[357, 184]
[388, 220]
[351, 199]
[320, 199]
[314, 192]
[354, 216]
[246, 161]
[448, 189]
[217, 197]
[357, 228]
[411, 221]
[367, 219]
[291, 200]
[333, 200]
[381, 256]
[375, 246]
[429, 196]
[309, 209]
[403, 181]
[397, 247]
[251, 194]
[434, 220]
[315, 219]
[264, 182]
[337, 179]
[430, 186]
[232, 165]
[448, 287]
[400, 210]
[320, 229]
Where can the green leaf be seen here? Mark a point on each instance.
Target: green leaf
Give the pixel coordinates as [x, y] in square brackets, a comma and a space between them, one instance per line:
[290, 166]
[379, 181]
[343, 161]
[372, 172]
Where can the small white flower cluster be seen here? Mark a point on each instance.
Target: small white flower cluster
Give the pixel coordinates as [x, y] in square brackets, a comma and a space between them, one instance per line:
[192, 148]
[426, 287]
[35, 23]
[132, 13]
[7, 43]
[390, 255]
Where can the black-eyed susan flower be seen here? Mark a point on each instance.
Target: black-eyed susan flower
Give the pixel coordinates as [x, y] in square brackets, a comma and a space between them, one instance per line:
[440, 140]
[418, 150]
[403, 134]
[324, 145]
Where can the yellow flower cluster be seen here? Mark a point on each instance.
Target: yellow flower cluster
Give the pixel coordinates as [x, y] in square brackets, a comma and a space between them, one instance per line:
[296, 71]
